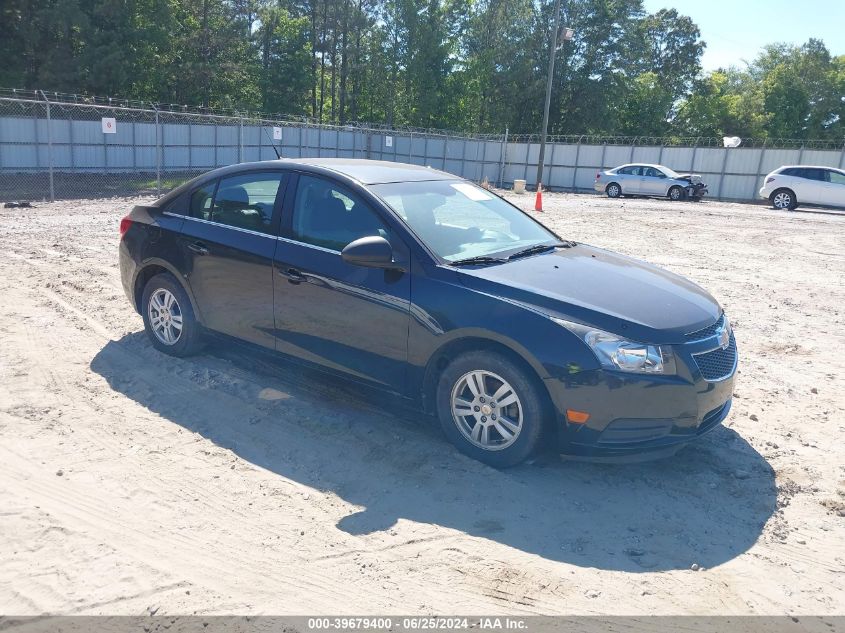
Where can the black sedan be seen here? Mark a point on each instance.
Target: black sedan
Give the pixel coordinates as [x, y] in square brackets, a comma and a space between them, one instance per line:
[423, 284]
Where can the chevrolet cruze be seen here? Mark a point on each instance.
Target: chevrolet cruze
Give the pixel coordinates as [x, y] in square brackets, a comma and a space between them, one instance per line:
[423, 284]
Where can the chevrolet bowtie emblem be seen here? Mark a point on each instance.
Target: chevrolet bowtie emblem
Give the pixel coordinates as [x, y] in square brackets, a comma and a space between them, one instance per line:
[724, 338]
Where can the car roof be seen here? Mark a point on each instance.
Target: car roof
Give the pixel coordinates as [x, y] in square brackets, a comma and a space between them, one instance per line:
[808, 167]
[642, 165]
[367, 172]
[363, 171]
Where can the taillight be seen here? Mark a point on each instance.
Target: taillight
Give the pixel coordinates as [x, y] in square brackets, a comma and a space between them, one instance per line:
[125, 223]
[598, 175]
[768, 180]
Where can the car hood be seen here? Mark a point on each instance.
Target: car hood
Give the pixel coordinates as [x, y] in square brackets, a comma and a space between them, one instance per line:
[596, 287]
[690, 177]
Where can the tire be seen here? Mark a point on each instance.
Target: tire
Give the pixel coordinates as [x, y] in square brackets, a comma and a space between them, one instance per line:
[163, 295]
[613, 190]
[782, 199]
[676, 193]
[522, 417]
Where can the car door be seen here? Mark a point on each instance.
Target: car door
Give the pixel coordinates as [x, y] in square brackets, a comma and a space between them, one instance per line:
[653, 182]
[346, 317]
[807, 185]
[834, 188]
[629, 180]
[229, 239]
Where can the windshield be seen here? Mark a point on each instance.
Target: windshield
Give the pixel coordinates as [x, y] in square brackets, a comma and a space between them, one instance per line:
[670, 172]
[458, 220]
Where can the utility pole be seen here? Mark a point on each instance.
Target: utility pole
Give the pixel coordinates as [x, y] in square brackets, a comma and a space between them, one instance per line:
[567, 35]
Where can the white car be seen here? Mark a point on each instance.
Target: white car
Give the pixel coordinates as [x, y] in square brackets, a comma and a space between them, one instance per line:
[791, 185]
[639, 179]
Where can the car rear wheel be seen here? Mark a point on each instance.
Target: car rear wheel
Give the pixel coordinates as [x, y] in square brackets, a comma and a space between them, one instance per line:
[676, 193]
[168, 318]
[783, 199]
[490, 408]
[613, 190]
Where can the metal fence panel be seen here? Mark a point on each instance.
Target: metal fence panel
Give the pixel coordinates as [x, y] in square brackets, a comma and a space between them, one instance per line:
[59, 149]
[646, 155]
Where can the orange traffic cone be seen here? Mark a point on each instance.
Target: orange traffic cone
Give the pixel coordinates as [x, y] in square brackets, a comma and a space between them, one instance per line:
[538, 201]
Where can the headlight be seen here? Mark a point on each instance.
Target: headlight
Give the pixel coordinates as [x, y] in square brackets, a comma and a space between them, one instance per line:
[615, 352]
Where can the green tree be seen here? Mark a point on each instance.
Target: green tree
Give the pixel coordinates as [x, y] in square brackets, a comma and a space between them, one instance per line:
[285, 77]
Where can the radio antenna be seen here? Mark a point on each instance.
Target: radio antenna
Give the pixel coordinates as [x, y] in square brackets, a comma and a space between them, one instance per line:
[272, 144]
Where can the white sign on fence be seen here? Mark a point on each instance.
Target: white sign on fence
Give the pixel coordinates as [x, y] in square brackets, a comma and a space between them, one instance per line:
[388, 141]
[277, 134]
[109, 126]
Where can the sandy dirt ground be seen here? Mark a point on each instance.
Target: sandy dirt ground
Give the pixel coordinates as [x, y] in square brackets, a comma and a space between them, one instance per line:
[132, 482]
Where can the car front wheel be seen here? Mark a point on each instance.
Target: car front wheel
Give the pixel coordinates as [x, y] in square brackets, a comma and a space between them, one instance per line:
[676, 193]
[168, 318]
[490, 408]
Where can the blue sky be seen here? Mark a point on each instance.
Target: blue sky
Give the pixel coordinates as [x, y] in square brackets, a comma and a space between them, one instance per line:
[737, 29]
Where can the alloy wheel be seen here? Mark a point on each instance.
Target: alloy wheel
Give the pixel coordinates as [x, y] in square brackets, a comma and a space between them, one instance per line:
[486, 410]
[165, 316]
[782, 200]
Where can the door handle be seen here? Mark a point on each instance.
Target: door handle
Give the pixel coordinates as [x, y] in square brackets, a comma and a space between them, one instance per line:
[198, 247]
[292, 275]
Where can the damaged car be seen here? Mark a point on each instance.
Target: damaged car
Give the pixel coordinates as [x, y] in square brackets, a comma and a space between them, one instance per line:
[650, 180]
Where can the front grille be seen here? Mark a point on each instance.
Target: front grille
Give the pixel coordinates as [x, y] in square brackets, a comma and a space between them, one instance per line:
[707, 332]
[719, 363]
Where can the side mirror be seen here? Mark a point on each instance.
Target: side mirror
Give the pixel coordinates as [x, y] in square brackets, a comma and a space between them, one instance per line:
[371, 252]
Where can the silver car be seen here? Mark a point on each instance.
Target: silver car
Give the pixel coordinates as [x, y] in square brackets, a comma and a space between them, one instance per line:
[649, 180]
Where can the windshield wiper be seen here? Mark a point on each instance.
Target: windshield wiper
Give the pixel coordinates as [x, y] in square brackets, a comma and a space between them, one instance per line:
[539, 248]
[480, 259]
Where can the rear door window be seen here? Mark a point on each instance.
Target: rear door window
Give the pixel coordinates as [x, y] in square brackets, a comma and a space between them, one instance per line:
[814, 174]
[246, 201]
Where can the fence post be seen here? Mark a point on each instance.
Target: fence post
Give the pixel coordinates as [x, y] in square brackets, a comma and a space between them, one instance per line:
[49, 148]
[694, 152]
[241, 140]
[575, 167]
[759, 167]
[502, 158]
[722, 173]
[158, 154]
[842, 160]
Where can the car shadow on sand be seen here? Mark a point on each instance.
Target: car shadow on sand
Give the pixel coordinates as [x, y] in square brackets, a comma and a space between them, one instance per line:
[705, 505]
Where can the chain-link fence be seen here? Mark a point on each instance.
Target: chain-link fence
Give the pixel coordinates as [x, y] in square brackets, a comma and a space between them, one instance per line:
[55, 146]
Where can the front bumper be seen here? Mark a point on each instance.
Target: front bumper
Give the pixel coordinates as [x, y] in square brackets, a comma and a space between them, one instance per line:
[696, 192]
[635, 413]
